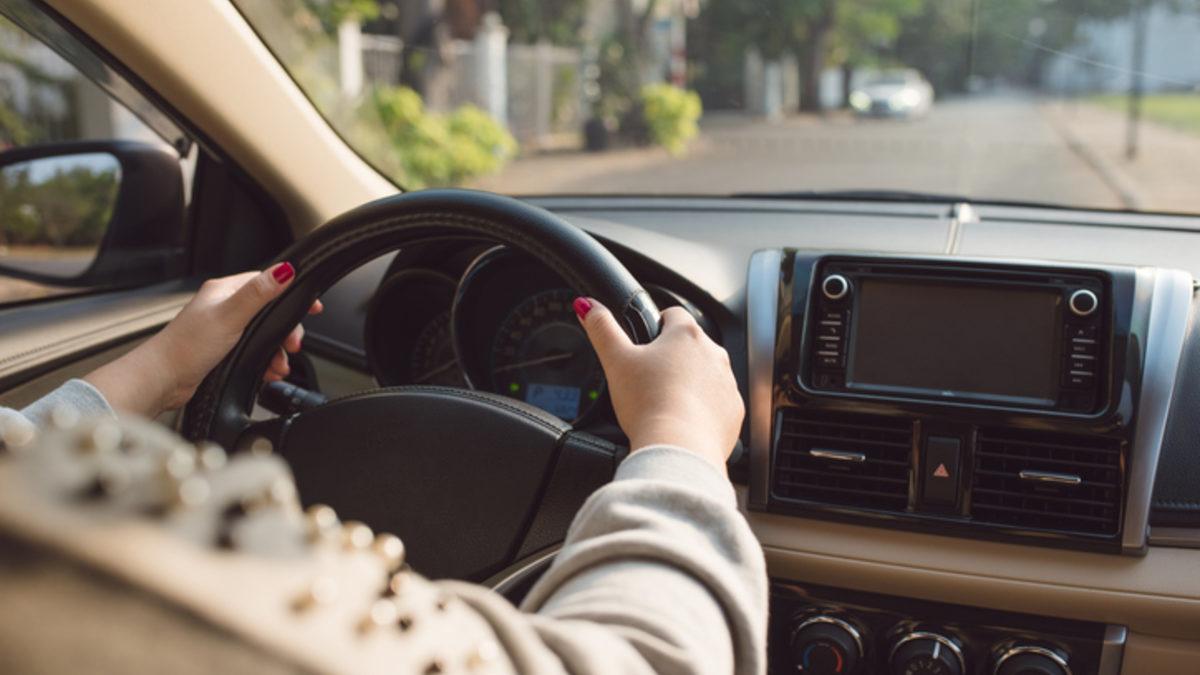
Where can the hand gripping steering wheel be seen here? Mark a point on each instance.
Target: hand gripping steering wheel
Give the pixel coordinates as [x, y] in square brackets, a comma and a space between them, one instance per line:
[471, 481]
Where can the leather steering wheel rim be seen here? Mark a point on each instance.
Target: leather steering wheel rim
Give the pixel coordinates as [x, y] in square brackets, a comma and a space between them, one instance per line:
[220, 408]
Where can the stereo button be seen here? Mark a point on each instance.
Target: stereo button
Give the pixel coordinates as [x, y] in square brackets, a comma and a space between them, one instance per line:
[1079, 330]
[830, 330]
[830, 360]
[1076, 379]
[1082, 346]
[1085, 363]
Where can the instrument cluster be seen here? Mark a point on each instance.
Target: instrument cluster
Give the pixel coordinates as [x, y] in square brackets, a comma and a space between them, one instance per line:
[495, 320]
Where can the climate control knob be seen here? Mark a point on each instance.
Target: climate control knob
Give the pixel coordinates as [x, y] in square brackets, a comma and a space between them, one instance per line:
[1031, 660]
[925, 653]
[835, 287]
[825, 645]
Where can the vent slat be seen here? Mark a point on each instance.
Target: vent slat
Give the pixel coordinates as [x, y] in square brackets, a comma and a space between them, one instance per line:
[840, 474]
[1000, 496]
[1065, 500]
[843, 439]
[1012, 475]
[879, 482]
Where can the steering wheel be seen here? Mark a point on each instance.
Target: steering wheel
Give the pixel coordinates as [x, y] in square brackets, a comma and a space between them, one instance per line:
[472, 481]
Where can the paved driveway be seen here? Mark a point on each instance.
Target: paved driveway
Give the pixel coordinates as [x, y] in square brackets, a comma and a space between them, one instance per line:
[1003, 147]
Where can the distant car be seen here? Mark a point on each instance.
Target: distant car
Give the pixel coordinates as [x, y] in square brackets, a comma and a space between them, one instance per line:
[893, 93]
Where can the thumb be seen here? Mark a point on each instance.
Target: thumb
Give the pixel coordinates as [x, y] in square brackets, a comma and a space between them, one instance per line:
[258, 291]
[602, 329]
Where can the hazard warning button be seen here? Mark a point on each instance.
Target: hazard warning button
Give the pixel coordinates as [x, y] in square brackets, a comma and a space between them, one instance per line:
[941, 468]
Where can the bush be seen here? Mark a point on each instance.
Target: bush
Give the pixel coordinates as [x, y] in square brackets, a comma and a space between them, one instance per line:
[433, 149]
[670, 114]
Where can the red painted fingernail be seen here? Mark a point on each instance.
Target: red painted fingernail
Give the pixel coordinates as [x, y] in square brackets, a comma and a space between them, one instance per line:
[283, 273]
[582, 307]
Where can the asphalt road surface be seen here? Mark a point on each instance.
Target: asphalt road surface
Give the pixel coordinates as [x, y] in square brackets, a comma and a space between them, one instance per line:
[999, 146]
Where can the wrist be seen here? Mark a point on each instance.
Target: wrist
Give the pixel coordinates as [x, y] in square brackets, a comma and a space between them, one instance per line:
[140, 382]
[699, 442]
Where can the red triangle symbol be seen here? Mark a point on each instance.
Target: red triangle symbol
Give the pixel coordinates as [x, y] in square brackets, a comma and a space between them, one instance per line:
[941, 471]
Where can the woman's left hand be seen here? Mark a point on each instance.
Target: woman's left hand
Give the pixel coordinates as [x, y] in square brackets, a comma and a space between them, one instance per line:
[163, 372]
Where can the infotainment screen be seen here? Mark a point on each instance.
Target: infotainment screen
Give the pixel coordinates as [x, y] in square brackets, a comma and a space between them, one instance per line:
[949, 339]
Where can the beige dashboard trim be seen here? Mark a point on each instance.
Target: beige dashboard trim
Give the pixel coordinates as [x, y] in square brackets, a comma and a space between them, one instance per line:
[1158, 594]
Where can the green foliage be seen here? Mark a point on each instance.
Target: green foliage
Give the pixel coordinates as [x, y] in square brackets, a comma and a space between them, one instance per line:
[333, 12]
[670, 114]
[67, 209]
[429, 149]
[556, 21]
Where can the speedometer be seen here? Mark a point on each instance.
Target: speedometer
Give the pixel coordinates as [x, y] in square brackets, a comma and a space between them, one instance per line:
[542, 356]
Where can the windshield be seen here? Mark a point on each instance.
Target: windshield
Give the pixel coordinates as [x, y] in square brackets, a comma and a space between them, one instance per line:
[1087, 103]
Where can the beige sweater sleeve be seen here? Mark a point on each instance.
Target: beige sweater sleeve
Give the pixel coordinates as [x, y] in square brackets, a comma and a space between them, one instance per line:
[659, 573]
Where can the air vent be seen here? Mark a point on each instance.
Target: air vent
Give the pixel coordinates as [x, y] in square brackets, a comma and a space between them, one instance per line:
[843, 459]
[1045, 481]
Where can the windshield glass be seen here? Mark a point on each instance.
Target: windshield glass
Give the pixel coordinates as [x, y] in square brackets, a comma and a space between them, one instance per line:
[1089, 103]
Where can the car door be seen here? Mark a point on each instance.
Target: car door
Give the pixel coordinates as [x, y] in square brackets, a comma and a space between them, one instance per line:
[110, 212]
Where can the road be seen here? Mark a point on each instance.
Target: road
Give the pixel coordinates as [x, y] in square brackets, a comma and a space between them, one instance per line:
[1002, 147]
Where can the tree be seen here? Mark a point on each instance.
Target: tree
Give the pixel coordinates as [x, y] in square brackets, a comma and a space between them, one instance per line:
[531, 21]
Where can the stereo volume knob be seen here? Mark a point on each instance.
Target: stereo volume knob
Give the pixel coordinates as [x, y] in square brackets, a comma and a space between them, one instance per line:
[824, 645]
[1031, 660]
[835, 287]
[1083, 302]
[923, 653]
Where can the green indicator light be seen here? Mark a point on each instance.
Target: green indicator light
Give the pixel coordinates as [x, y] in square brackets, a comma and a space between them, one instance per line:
[514, 387]
[593, 395]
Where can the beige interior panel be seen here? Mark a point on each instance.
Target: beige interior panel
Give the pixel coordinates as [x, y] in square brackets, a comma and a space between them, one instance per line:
[202, 57]
[1148, 654]
[1158, 594]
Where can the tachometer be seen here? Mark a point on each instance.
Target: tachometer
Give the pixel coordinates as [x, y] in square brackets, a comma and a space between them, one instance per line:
[432, 359]
[408, 330]
[542, 356]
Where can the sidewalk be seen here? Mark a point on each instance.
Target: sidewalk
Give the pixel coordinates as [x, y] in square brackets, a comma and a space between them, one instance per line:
[1165, 175]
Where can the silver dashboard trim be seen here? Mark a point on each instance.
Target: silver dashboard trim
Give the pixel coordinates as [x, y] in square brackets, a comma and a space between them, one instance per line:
[1112, 652]
[1031, 649]
[762, 308]
[1170, 306]
[1175, 537]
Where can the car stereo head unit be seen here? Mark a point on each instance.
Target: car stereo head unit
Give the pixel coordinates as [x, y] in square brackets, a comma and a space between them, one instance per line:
[1012, 337]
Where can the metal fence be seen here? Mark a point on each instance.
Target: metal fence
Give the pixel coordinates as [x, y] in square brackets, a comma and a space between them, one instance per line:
[543, 90]
[383, 58]
[545, 94]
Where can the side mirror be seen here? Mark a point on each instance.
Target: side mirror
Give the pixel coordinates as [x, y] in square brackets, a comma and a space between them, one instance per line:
[91, 213]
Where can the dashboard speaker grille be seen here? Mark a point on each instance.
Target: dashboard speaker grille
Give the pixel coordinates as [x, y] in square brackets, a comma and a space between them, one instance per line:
[1046, 481]
[843, 459]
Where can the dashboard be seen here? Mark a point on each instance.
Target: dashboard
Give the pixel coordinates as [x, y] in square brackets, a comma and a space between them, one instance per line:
[470, 314]
[970, 445]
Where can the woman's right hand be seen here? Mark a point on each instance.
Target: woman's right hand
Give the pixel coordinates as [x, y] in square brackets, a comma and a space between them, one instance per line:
[677, 390]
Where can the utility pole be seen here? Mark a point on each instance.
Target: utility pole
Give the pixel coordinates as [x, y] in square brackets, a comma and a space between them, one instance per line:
[1136, 66]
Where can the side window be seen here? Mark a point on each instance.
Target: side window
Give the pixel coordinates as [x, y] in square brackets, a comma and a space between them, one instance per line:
[70, 155]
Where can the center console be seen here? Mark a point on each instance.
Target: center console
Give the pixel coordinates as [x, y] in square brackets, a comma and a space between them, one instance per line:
[973, 398]
[984, 399]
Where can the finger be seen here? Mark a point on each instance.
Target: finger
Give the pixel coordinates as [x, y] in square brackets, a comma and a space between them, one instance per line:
[317, 307]
[258, 291]
[279, 366]
[602, 329]
[292, 343]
